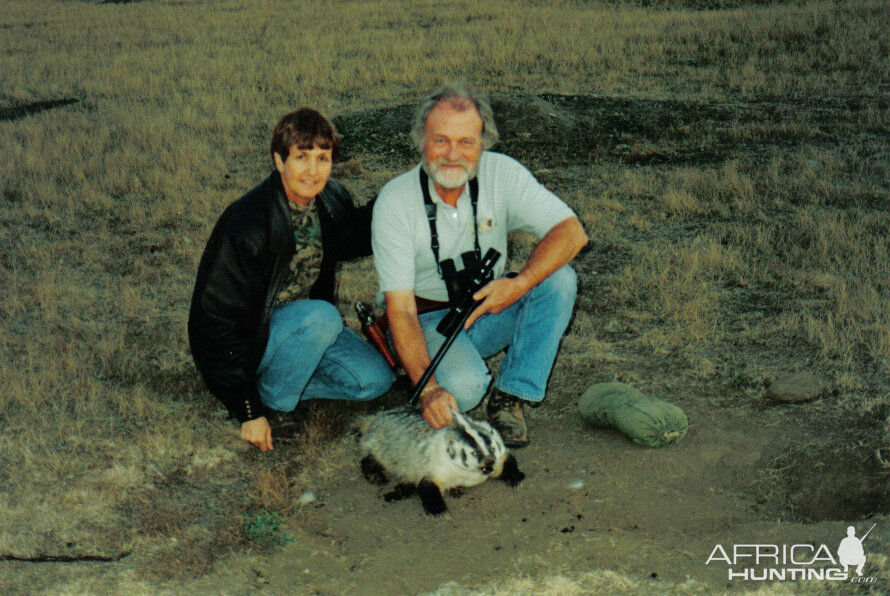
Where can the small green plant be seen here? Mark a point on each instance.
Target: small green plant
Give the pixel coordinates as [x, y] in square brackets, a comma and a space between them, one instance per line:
[263, 527]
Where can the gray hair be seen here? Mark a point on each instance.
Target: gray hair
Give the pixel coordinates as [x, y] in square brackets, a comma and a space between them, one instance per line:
[461, 97]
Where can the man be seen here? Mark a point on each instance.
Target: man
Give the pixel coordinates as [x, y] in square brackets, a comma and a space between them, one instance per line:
[463, 198]
[262, 326]
[850, 551]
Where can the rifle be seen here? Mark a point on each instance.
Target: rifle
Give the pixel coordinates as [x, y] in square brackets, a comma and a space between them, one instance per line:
[861, 540]
[450, 326]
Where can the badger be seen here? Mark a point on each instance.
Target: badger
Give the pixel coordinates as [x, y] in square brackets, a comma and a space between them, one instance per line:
[399, 444]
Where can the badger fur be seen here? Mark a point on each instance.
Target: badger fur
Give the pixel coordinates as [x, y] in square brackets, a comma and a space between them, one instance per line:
[398, 444]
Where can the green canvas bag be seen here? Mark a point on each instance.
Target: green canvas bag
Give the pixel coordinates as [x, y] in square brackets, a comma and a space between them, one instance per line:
[647, 420]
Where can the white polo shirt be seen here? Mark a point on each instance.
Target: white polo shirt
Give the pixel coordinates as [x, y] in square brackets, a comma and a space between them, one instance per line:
[510, 198]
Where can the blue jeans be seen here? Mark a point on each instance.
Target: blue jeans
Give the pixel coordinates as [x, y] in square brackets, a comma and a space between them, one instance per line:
[532, 329]
[312, 355]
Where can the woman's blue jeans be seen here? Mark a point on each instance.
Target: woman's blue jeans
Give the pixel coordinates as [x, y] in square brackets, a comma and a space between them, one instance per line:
[312, 355]
[531, 329]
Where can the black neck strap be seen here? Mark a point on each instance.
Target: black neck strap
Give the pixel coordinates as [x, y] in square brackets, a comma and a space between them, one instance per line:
[431, 216]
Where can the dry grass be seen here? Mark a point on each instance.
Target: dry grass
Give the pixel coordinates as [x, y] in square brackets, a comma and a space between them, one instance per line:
[105, 205]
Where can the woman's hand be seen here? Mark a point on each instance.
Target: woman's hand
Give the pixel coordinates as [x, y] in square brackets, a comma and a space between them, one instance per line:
[258, 433]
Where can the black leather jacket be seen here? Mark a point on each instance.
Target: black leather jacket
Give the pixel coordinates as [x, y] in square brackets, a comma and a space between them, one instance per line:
[243, 269]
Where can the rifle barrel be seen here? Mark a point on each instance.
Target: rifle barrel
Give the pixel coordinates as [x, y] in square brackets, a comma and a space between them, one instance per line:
[869, 532]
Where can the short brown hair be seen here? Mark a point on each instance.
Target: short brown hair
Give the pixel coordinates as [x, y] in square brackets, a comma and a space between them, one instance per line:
[304, 128]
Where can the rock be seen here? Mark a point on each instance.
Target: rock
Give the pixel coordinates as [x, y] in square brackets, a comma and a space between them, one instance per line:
[306, 497]
[795, 388]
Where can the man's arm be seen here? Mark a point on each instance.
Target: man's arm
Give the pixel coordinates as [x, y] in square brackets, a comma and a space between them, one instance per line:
[410, 344]
[556, 248]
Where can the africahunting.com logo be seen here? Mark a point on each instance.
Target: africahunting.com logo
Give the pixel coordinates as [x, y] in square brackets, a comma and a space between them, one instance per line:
[795, 562]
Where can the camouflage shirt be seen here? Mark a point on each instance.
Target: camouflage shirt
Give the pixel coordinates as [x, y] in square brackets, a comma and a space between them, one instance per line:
[306, 262]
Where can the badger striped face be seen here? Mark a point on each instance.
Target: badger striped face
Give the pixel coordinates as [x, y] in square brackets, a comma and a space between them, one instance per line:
[478, 445]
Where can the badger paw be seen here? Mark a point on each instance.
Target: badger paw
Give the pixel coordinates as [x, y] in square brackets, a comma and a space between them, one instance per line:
[373, 470]
[431, 497]
[399, 492]
[510, 472]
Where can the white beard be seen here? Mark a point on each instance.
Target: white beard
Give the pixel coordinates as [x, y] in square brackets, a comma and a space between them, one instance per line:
[450, 179]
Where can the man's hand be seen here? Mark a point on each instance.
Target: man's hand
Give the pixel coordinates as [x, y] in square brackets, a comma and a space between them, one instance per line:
[258, 433]
[556, 248]
[498, 295]
[436, 405]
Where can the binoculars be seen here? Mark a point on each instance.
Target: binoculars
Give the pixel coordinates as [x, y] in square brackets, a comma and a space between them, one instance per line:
[463, 284]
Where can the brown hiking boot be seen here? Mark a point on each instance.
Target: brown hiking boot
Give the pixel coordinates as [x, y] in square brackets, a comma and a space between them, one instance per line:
[505, 415]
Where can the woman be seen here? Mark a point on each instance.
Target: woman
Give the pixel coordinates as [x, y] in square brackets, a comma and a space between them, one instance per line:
[263, 329]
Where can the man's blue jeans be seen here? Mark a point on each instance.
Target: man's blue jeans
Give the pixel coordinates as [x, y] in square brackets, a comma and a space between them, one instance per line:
[311, 355]
[532, 329]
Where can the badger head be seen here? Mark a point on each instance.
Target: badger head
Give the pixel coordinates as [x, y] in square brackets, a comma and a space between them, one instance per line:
[476, 445]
